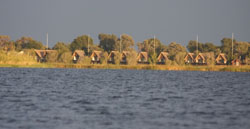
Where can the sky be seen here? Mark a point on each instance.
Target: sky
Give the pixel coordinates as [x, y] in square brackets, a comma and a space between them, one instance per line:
[169, 20]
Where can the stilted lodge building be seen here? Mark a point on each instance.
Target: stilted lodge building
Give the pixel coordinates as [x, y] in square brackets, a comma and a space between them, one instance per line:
[112, 56]
[124, 57]
[200, 59]
[142, 58]
[236, 62]
[189, 58]
[221, 59]
[78, 55]
[42, 54]
[162, 58]
[96, 57]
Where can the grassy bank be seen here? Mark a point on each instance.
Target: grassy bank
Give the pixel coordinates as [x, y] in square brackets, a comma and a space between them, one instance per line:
[137, 67]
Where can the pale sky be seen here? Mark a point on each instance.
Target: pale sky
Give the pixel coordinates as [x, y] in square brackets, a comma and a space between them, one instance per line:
[168, 20]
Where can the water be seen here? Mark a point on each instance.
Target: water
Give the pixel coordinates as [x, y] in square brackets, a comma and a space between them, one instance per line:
[123, 99]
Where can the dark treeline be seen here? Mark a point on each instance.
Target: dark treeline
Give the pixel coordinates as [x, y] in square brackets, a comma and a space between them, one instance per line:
[110, 42]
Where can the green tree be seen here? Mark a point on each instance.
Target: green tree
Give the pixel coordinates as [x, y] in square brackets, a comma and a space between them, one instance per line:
[108, 42]
[131, 58]
[28, 43]
[179, 58]
[94, 48]
[5, 43]
[174, 48]
[209, 47]
[127, 43]
[226, 47]
[81, 43]
[61, 48]
[192, 46]
[241, 49]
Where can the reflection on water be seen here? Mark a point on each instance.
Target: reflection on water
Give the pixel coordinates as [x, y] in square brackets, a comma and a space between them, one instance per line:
[123, 99]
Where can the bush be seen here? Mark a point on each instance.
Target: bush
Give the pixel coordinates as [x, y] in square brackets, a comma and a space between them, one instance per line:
[179, 58]
[104, 58]
[51, 57]
[65, 57]
[117, 59]
[131, 58]
[209, 58]
[85, 60]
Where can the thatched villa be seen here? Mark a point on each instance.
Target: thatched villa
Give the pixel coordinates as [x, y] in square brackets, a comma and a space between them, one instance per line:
[124, 56]
[41, 54]
[78, 55]
[162, 58]
[111, 57]
[200, 59]
[221, 59]
[189, 58]
[142, 58]
[96, 57]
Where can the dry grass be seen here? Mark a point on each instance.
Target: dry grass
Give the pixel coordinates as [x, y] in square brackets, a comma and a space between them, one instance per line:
[15, 59]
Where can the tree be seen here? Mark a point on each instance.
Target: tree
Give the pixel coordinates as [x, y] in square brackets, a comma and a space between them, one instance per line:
[179, 58]
[131, 58]
[127, 42]
[108, 42]
[241, 49]
[81, 43]
[192, 46]
[28, 43]
[209, 47]
[5, 43]
[61, 47]
[226, 47]
[174, 48]
[94, 48]
[63, 52]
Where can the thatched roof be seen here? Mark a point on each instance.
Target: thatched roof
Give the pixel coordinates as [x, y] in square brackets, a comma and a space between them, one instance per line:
[144, 55]
[162, 55]
[96, 53]
[200, 56]
[191, 55]
[221, 56]
[43, 53]
[125, 53]
[113, 53]
[80, 53]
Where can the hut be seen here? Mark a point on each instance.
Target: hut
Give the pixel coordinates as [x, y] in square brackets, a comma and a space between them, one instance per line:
[189, 58]
[236, 62]
[78, 55]
[42, 54]
[124, 56]
[200, 59]
[142, 58]
[221, 59]
[96, 57]
[111, 57]
[162, 58]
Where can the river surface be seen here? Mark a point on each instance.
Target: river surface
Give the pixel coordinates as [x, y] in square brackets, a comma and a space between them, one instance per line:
[123, 99]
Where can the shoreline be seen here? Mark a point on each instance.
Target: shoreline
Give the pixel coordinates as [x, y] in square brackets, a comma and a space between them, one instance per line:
[222, 68]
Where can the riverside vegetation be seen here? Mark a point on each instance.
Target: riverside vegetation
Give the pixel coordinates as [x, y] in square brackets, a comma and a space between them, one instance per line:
[20, 53]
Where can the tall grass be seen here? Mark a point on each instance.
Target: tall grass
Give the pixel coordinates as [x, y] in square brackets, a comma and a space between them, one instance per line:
[17, 58]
